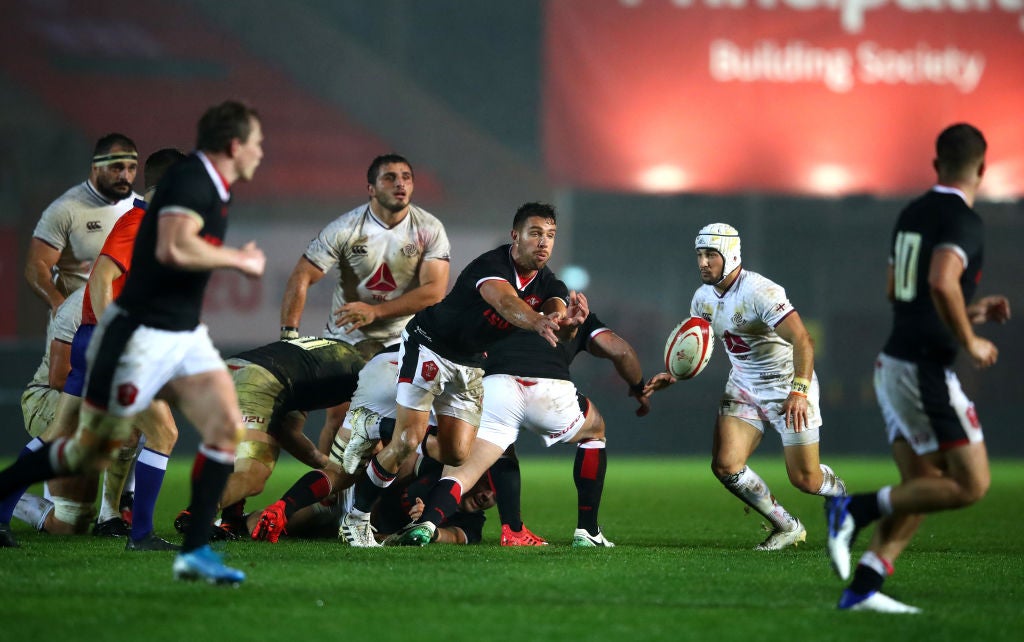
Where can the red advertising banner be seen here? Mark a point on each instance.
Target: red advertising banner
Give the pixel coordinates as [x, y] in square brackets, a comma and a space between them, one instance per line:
[822, 97]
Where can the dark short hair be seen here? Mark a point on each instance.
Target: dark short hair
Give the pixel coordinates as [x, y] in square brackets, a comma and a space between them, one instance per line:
[958, 148]
[106, 143]
[223, 123]
[158, 162]
[385, 159]
[526, 210]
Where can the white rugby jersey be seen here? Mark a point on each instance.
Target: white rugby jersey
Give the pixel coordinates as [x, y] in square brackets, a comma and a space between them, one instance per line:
[376, 264]
[744, 318]
[76, 224]
[61, 327]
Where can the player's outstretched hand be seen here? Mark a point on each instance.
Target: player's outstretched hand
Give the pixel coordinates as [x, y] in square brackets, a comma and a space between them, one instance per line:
[658, 382]
[995, 308]
[644, 399]
[251, 260]
[547, 326]
[577, 311]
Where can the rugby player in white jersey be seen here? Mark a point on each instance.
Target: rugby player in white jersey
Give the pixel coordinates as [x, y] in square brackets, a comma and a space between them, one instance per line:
[67, 239]
[771, 384]
[393, 261]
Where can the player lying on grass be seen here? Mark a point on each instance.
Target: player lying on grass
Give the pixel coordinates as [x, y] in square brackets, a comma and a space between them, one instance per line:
[277, 385]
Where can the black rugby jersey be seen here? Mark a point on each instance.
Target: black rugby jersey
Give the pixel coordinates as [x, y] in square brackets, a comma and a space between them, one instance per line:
[316, 373]
[160, 296]
[936, 219]
[527, 354]
[463, 325]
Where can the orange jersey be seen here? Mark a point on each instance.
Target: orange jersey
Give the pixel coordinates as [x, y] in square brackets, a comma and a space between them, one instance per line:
[117, 247]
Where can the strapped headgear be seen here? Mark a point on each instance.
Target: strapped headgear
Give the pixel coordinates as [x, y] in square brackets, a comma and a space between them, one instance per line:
[724, 239]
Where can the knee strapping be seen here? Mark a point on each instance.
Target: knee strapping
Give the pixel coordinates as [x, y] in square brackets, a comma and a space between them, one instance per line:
[79, 514]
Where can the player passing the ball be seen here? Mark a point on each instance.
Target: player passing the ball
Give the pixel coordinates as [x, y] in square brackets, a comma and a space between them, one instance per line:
[771, 383]
[936, 439]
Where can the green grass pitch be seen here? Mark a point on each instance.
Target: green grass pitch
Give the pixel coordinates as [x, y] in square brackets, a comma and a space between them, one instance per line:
[683, 569]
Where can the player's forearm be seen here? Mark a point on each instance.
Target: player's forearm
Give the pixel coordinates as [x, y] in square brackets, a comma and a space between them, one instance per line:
[293, 303]
[193, 254]
[410, 302]
[40, 281]
[625, 360]
[949, 304]
[517, 312]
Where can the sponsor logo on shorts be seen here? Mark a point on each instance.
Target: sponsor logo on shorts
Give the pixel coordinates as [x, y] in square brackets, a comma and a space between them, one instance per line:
[253, 419]
[126, 394]
[972, 417]
[428, 370]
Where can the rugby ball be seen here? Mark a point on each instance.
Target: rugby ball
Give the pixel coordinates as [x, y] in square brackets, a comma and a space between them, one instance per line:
[689, 348]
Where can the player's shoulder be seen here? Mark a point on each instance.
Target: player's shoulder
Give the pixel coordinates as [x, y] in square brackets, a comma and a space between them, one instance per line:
[73, 198]
[750, 280]
[421, 216]
[346, 222]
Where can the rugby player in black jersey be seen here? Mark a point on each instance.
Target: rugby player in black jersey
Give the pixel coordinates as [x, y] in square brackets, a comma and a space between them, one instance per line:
[937, 443]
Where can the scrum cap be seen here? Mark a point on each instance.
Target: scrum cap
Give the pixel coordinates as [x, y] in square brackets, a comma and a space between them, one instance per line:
[724, 239]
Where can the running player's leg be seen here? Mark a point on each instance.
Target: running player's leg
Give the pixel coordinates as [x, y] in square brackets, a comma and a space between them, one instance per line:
[589, 469]
[157, 424]
[735, 440]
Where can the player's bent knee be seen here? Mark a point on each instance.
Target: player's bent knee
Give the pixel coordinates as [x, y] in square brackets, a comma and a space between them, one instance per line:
[73, 517]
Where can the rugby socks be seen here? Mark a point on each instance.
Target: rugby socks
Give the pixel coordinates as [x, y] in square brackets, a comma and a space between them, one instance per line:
[149, 477]
[113, 483]
[443, 501]
[870, 574]
[507, 483]
[210, 473]
[588, 472]
[867, 507]
[32, 467]
[234, 514]
[11, 501]
[753, 491]
[831, 484]
[369, 488]
[311, 488]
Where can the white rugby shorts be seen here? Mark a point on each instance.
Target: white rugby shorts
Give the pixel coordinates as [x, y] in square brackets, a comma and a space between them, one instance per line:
[149, 358]
[925, 405]
[427, 380]
[760, 405]
[548, 407]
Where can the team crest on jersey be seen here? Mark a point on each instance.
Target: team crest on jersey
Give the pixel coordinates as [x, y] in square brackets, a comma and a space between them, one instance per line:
[382, 280]
[428, 370]
[126, 394]
[410, 250]
[737, 319]
[734, 344]
[533, 301]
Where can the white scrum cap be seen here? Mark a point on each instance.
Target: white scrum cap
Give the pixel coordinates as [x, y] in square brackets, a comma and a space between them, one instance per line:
[724, 239]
